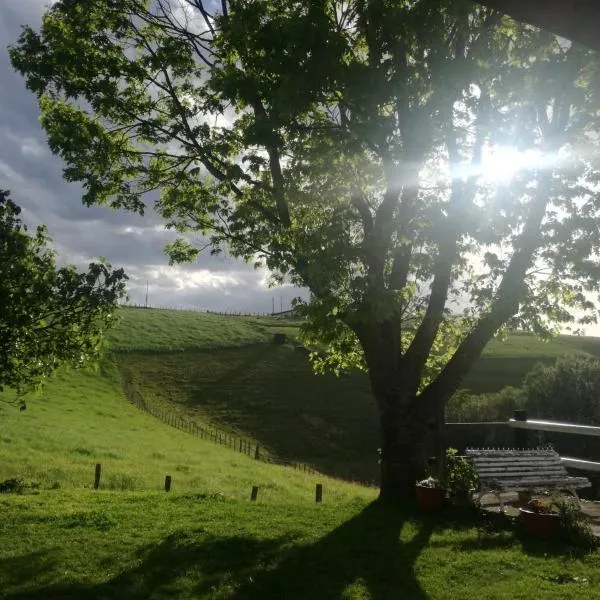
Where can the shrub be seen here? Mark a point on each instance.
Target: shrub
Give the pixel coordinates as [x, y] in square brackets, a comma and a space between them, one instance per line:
[465, 407]
[574, 529]
[567, 391]
[460, 472]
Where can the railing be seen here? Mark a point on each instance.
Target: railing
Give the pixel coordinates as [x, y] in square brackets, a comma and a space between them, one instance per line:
[521, 424]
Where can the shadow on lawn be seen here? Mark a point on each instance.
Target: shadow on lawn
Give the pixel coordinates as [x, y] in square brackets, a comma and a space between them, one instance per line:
[367, 548]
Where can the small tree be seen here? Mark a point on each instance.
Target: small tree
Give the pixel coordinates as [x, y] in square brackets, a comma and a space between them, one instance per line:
[48, 315]
[340, 143]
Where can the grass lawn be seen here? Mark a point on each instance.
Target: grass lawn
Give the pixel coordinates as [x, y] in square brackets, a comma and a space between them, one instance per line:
[104, 545]
[83, 418]
[205, 539]
[508, 362]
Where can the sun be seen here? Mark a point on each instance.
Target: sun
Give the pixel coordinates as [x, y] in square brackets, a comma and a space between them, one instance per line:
[500, 164]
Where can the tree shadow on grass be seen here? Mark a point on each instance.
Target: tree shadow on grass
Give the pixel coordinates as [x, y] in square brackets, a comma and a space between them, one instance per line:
[16, 570]
[365, 549]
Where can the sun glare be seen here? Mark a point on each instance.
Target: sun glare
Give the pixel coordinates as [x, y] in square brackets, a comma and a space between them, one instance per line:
[499, 164]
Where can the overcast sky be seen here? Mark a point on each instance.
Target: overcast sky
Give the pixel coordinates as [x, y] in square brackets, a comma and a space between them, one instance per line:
[34, 176]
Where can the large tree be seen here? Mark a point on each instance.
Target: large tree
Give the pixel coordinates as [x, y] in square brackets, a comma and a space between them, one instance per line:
[49, 315]
[346, 144]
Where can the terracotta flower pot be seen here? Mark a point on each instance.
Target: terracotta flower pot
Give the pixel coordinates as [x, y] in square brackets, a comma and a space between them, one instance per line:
[542, 525]
[429, 498]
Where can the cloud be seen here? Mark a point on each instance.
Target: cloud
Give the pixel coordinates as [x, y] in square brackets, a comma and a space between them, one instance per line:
[81, 234]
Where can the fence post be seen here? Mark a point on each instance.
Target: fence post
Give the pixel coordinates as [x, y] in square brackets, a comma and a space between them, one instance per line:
[97, 475]
[167, 483]
[319, 493]
[257, 453]
[521, 435]
[254, 493]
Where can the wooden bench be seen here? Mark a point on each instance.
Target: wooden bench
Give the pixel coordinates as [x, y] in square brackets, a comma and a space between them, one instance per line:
[507, 470]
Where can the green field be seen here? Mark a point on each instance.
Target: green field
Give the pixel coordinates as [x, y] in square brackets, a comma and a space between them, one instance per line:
[205, 539]
[150, 546]
[268, 393]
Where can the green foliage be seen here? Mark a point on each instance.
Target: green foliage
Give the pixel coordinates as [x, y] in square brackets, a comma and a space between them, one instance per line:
[569, 390]
[48, 316]
[340, 144]
[460, 472]
[574, 529]
[466, 407]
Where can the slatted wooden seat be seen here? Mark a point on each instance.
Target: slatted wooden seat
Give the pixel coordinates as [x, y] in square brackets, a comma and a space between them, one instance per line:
[509, 470]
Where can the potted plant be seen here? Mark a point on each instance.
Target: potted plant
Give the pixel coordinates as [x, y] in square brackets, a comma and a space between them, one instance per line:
[461, 477]
[430, 494]
[539, 518]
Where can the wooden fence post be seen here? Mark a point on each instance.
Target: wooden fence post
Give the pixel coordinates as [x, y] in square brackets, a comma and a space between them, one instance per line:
[254, 493]
[257, 453]
[167, 483]
[97, 475]
[319, 493]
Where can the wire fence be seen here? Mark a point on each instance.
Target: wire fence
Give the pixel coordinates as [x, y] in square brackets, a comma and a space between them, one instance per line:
[208, 433]
[205, 311]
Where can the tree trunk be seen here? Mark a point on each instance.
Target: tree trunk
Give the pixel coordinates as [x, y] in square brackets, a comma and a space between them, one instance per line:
[408, 424]
[408, 442]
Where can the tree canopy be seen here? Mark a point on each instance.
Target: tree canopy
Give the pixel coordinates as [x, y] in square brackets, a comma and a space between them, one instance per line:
[349, 146]
[49, 316]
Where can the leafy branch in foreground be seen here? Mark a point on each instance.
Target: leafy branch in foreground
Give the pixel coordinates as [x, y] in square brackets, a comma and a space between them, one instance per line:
[49, 316]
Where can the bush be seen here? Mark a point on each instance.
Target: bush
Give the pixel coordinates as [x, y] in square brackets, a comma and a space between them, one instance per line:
[465, 407]
[460, 472]
[568, 391]
[574, 529]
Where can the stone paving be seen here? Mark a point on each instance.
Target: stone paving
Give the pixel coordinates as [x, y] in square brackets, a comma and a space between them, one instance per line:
[511, 504]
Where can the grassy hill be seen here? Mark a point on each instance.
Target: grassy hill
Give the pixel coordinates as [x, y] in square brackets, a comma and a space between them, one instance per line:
[83, 418]
[226, 372]
[205, 539]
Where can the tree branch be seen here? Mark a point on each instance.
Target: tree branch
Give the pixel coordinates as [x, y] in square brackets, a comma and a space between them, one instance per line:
[506, 304]
[359, 202]
[275, 167]
[462, 196]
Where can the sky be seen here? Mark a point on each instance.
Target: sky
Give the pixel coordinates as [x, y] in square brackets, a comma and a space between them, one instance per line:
[81, 234]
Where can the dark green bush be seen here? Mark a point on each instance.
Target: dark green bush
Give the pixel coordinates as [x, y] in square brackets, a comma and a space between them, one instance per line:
[567, 391]
[465, 407]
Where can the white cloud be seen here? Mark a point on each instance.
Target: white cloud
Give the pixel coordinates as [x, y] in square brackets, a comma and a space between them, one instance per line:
[82, 234]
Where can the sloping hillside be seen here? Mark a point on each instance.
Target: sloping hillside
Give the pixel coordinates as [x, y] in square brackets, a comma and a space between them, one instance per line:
[83, 418]
[226, 372]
